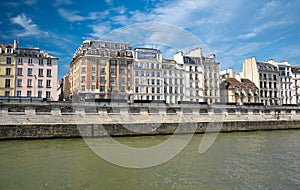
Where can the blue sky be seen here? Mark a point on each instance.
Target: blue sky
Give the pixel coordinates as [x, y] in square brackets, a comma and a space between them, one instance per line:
[233, 30]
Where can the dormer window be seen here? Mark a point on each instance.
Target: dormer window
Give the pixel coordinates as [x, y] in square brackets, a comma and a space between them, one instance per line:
[8, 50]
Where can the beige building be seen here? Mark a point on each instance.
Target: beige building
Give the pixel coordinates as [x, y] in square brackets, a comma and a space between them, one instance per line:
[266, 77]
[7, 70]
[102, 69]
[238, 91]
[201, 76]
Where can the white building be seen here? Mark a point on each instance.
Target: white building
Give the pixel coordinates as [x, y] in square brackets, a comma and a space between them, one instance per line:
[147, 69]
[296, 85]
[201, 76]
[173, 81]
[285, 80]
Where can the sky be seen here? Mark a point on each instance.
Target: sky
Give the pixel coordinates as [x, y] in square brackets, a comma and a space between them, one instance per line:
[232, 30]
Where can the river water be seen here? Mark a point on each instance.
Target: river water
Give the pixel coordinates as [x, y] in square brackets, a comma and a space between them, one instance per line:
[251, 160]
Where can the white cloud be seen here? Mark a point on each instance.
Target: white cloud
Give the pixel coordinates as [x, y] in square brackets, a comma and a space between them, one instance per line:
[73, 16]
[247, 36]
[100, 30]
[29, 28]
[110, 2]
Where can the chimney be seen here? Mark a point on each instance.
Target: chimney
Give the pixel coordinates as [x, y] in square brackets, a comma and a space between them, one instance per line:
[16, 44]
[230, 73]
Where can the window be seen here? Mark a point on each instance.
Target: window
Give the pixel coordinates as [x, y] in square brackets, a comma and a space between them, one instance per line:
[8, 71]
[136, 89]
[93, 69]
[29, 93]
[48, 72]
[122, 71]
[30, 61]
[20, 61]
[83, 69]
[93, 87]
[19, 93]
[102, 88]
[7, 83]
[40, 83]
[8, 60]
[113, 62]
[83, 87]
[41, 62]
[122, 80]
[39, 94]
[41, 72]
[102, 71]
[112, 70]
[112, 80]
[7, 93]
[19, 71]
[29, 71]
[29, 83]
[102, 79]
[48, 94]
[19, 82]
[158, 81]
[48, 83]
[49, 62]
[8, 50]
[93, 78]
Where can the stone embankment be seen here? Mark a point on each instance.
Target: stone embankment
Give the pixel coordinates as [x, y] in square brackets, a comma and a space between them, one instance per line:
[42, 119]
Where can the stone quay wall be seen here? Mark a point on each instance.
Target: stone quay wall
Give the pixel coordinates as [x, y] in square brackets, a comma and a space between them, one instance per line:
[42, 119]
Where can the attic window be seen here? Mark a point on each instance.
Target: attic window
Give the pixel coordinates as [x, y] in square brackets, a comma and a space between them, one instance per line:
[8, 50]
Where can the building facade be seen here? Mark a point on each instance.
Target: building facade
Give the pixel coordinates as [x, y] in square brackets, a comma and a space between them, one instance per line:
[36, 73]
[102, 69]
[7, 70]
[201, 76]
[296, 85]
[285, 81]
[27, 72]
[266, 77]
[148, 84]
[173, 81]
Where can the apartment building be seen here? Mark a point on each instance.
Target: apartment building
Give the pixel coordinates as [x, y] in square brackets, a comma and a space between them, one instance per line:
[148, 84]
[173, 81]
[201, 76]
[234, 89]
[102, 69]
[295, 85]
[27, 72]
[7, 69]
[285, 81]
[36, 73]
[211, 91]
[266, 77]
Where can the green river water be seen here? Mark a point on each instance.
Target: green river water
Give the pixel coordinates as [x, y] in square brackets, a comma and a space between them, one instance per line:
[251, 160]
